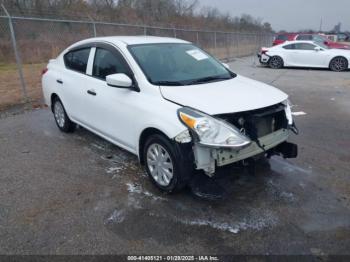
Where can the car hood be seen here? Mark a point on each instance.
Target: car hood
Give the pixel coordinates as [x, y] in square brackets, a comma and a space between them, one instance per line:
[235, 95]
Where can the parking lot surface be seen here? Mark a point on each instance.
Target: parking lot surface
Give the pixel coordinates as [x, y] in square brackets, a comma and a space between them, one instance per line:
[79, 194]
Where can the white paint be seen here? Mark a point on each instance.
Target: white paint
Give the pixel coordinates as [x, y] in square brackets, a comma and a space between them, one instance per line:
[300, 113]
[234, 95]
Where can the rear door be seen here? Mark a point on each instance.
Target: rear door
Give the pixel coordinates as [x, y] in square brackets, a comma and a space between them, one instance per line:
[72, 81]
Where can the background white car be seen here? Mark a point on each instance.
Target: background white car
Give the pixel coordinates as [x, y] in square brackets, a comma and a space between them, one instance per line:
[167, 101]
[305, 54]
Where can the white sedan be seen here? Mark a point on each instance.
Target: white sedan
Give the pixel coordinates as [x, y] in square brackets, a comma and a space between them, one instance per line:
[305, 54]
[168, 102]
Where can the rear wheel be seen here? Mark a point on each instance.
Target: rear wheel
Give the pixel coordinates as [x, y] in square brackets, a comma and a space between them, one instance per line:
[62, 120]
[276, 62]
[164, 164]
[338, 64]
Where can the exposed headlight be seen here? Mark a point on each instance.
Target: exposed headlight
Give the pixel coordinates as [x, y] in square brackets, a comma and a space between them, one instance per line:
[288, 110]
[210, 131]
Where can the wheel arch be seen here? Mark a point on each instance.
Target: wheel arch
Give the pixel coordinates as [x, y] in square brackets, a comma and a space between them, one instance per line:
[147, 132]
[282, 56]
[334, 57]
[52, 98]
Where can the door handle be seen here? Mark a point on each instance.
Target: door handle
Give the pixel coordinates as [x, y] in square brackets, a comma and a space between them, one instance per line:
[91, 92]
[59, 81]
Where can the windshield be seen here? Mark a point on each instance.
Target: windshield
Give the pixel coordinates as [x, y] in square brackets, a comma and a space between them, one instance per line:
[178, 64]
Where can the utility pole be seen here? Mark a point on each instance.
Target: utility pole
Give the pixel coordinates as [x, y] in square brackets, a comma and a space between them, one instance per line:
[320, 26]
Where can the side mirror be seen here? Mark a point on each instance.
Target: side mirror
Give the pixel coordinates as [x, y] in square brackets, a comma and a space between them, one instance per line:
[119, 80]
[326, 42]
[226, 65]
[317, 48]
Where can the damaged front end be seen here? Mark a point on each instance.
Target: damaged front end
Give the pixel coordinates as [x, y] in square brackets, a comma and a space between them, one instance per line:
[229, 138]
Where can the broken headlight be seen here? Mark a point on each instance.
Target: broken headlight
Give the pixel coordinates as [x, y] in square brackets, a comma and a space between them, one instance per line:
[210, 131]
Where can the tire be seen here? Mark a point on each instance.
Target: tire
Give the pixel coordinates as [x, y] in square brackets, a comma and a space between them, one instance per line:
[338, 64]
[61, 118]
[173, 165]
[276, 62]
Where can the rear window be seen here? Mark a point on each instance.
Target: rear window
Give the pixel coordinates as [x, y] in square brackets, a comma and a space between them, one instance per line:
[282, 37]
[77, 60]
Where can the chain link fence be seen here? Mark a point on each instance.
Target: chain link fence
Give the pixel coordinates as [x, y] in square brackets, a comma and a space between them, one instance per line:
[27, 43]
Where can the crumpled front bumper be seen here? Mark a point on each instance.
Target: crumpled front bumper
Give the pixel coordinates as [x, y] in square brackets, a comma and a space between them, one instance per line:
[207, 158]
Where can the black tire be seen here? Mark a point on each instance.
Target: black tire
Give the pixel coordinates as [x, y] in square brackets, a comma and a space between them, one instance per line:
[61, 118]
[338, 64]
[182, 165]
[276, 62]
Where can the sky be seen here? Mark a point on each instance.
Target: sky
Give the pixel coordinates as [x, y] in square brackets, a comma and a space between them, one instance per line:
[289, 15]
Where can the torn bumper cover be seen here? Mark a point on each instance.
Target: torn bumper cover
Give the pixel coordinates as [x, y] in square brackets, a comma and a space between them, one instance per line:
[272, 144]
[267, 130]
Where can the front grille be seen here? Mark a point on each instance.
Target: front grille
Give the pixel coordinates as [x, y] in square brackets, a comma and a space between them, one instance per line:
[260, 122]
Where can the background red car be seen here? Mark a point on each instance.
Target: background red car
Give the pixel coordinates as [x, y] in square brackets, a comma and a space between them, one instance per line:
[281, 38]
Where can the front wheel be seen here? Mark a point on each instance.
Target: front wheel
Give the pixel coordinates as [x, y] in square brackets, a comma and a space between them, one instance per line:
[164, 164]
[276, 62]
[338, 64]
[62, 120]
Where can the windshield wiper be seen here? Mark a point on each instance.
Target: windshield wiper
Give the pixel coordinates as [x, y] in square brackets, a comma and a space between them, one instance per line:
[169, 83]
[207, 79]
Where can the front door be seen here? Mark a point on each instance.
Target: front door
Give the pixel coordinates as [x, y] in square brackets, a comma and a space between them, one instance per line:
[111, 109]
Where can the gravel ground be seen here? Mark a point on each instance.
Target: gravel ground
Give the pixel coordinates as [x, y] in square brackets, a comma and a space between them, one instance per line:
[79, 194]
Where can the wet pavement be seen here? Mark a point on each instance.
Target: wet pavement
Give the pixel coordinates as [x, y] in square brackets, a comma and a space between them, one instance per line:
[79, 194]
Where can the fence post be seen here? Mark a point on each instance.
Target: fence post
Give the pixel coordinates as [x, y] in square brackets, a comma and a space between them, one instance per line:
[17, 55]
[175, 32]
[215, 40]
[93, 25]
[197, 38]
[145, 30]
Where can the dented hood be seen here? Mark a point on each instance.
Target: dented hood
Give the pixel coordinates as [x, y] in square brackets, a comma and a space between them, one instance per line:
[229, 96]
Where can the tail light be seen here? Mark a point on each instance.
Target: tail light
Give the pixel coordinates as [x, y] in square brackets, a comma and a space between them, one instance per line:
[264, 50]
[44, 71]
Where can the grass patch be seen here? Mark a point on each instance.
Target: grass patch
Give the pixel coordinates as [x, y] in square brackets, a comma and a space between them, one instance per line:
[7, 67]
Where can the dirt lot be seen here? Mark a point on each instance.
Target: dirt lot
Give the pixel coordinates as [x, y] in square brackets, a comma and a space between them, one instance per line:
[78, 194]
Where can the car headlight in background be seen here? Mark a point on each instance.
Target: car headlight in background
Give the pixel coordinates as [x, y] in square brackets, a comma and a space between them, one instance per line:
[288, 110]
[210, 131]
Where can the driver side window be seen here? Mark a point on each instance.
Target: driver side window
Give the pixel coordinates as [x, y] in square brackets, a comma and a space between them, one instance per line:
[107, 63]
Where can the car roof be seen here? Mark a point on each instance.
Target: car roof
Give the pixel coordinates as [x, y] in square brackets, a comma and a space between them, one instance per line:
[133, 40]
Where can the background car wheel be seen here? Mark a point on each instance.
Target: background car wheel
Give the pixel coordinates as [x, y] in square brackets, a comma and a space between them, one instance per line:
[164, 164]
[62, 120]
[276, 62]
[338, 64]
